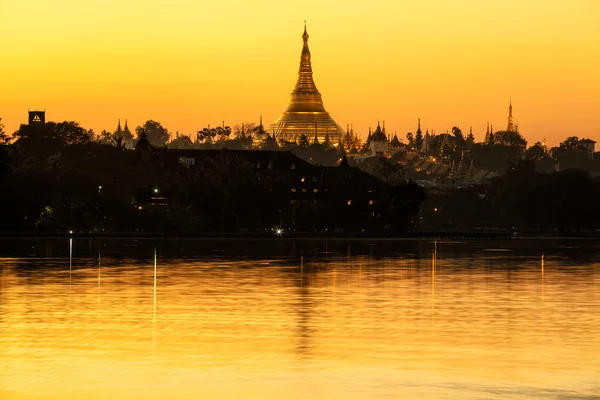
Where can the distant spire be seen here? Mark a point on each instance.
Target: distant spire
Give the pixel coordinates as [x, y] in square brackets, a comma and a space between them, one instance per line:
[511, 126]
[125, 123]
[383, 130]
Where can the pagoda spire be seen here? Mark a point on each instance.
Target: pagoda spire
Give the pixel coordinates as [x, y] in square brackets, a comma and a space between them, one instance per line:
[511, 126]
[305, 73]
[305, 104]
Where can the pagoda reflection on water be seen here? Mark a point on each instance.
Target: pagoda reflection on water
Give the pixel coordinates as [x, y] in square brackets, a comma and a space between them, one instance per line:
[305, 113]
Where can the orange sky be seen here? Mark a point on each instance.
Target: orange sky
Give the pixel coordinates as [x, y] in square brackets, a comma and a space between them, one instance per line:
[189, 63]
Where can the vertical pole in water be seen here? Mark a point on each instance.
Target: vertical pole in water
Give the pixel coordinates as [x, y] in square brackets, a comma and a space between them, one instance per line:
[301, 268]
[154, 314]
[70, 262]
[433, 262]
[99, 264]
[543, 277]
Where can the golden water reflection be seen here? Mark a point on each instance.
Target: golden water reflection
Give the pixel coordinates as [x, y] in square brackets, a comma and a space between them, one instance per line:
[339, 326]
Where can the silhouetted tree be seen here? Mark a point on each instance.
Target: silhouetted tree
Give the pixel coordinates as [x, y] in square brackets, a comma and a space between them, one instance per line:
[244, 131]
[181, 142]
[4, 139]
[459, 139]
[118, 142]
[535, 152]
[222, 132]
[443, 145]
[571, 153]
[105, 137]
[156, 134]
[418, 141]
[52, 133]
[510, 139]
[410, 140]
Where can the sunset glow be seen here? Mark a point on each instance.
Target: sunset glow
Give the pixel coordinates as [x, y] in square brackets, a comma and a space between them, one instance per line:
[188, 64]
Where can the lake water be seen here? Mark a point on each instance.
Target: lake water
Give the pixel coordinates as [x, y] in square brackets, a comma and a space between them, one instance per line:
[284, 319]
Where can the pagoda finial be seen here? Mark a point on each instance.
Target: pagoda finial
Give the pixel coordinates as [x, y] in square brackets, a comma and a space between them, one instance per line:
[305, 35]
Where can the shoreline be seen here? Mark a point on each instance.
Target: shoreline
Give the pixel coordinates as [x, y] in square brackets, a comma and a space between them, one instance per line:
[263, 235]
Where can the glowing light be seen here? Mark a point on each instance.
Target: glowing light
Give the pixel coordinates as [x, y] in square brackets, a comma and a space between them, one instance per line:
[278, 232]
[156, 191]
[70, 232]
[435, 209]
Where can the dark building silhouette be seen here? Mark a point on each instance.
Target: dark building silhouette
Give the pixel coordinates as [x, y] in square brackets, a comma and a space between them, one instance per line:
[305, 196]
[37, 117]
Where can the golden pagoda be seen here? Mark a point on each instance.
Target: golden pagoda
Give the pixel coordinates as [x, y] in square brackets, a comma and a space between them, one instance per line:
[305, 113]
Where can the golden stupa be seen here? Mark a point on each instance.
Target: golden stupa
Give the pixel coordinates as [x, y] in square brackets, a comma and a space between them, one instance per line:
[305, 113]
